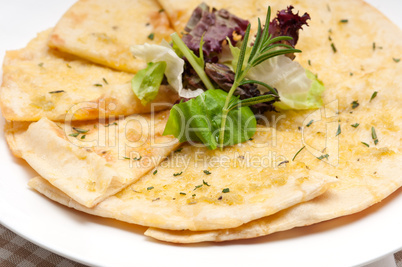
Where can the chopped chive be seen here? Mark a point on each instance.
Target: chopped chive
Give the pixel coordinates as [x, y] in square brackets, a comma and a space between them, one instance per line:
[203, 182]
[373, 46]
[197, 186]
[207, 172]
[161, 10]
[344, 21]
[193, 195]
[297, 153]
[333, 47]
[126, 158]
[151, 36]
[155, 172]
[373, 95]
[309, 62]
[83, 136]
[323, 156]
[355, 125]
[105, 81]
[182, 193]
[68, 66]
[150, 188]
[396, 59]
[283, 162]
[367, 145]
[351, 74]
[40, 64]
[98, 85]
[178, 150]
[177, 174]
[137, 158]
[338, 132]
[74, 134]
[80, 130]
[57, 92]
[308, 124]
[226, 190]
[110, 124]
[355, 104]
[374, 136]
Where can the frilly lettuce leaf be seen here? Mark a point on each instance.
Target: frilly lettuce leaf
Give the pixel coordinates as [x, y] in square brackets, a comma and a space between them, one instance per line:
[199, 120]
[174, 64]
[146, 82]
[310, 100]
[298, 88]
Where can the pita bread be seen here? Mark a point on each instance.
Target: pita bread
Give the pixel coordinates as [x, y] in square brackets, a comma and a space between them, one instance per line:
[99, 159]
[41, 82]
[102, 31]
[199, 189]
[366, 174]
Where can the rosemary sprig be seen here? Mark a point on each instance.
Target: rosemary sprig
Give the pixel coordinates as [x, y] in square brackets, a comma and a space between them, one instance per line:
[263, 49]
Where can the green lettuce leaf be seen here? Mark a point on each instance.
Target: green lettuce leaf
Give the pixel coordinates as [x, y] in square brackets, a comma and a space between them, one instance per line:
[310, 100]
[199, 120]
[146, 82]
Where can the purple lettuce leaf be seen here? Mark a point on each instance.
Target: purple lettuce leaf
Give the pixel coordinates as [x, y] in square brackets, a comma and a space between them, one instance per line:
[215, 25]
[288, 24]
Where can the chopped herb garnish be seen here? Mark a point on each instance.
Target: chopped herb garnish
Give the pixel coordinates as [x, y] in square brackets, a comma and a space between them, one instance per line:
[309, 62]
[323, 156]
[182, 193]
[226, 190]
[308, 124]
[283, 162]
[355, 125]
[151, 36]
[74, 134]
[333, 47]
[396, 59]
[297, 153]
[193, 195]
[137, 158]
[207, 172]
[374, 136]
[344, 21]
[178, 150]
[155, 172]
[338, 132]
[150, 188]
[110, 124]
[105, 81]
[83, 136]
[373, 46]
[57, 92]
[126, 158]
[367, 145]
[40, 64]
[355, 104]
[161, 10]
[205, 183]
[177, 174]
[373, 95]
[80, 130]
[68, 66]
[197, 186]
[98, 85]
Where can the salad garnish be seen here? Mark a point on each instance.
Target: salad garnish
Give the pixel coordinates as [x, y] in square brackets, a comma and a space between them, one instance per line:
[225, 79]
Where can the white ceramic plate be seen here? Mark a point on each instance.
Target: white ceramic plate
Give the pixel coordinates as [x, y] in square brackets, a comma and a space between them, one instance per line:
[348, 241]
